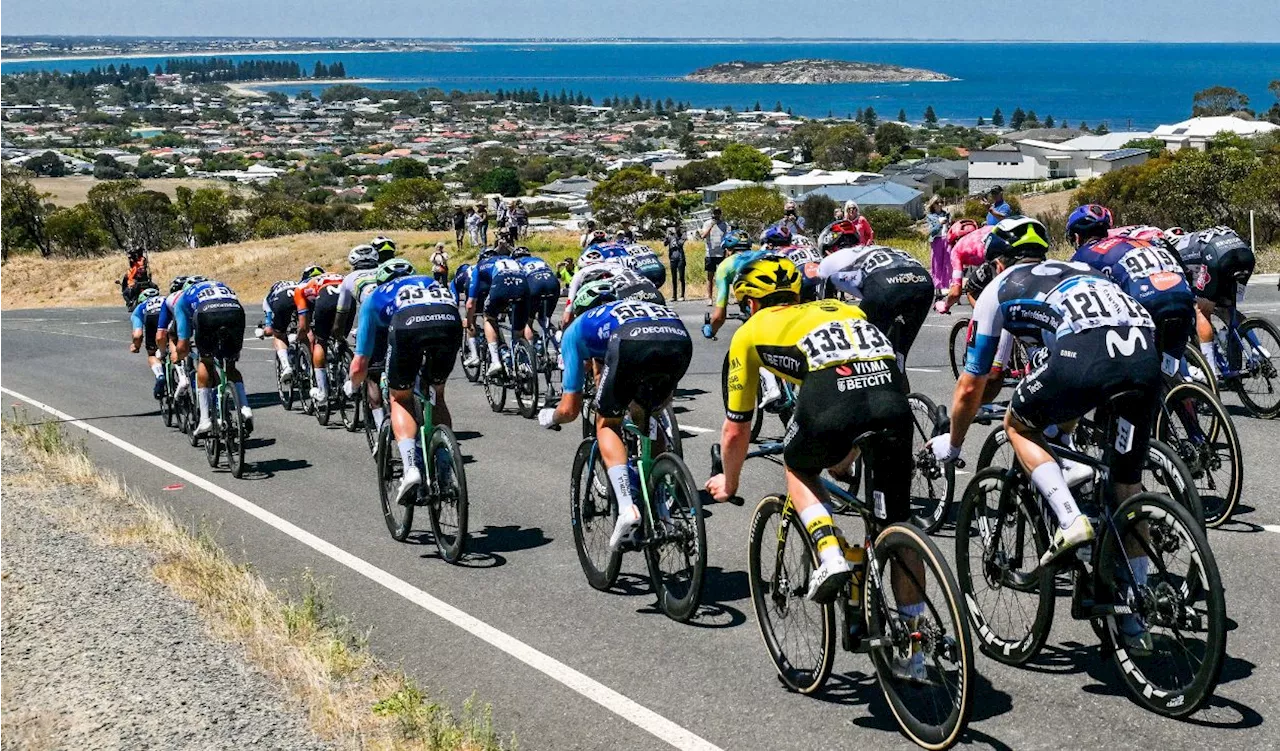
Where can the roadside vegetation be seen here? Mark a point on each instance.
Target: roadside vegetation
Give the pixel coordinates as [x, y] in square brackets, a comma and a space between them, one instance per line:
[321, 658]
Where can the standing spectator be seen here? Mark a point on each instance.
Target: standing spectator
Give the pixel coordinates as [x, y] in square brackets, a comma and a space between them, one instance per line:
[675, 255]
[588, 235]
[997, 209]
[473, 227]
[520, 216]
[459, 226]
[852, 213]
[626, 234]
[440, 264]
[713, 232]
[501, 213]
[790, 219]
[482, 224]
[938, 219]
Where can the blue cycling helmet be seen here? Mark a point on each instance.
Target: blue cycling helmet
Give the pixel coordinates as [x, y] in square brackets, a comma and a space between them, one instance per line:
[736, 240]
[1089, 221]
[776, 237]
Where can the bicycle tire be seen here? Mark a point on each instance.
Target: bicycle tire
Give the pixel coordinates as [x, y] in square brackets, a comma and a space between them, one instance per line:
[472, 373]
[957, 346]
[1207, 379]
[945, 637]
[324, 407]
[679, 587]
[213, 441]
[167, 411]
[996, 451]
[524, 362]
[1171, 476]
[348, 411]
[593, 517]
[398, 517]
[366, 420]
[1163, 600]
[494, 391]
[671, 429]
[1264, 369]
[930, 496]
[448, 509]
[1001, 564]
[766, 552]
[232, 429]
[1207, 452]
[305, 379]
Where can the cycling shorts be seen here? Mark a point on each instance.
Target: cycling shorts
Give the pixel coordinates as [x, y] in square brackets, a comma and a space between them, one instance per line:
[324, 310]
[897, 302]
[641, 368]
[422, 341]
[509, 295]
[1083, 371]
[841, 403]
[149, 323]
[1225, 279]
[654, 272]
[544, 293]
[1173, 331]
[280, 311]
[219, 329]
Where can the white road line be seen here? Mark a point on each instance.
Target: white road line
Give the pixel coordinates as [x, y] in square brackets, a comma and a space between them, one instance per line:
[924, 370]
[95, 323]
[628, 709]
[1271, 527]
[67, 333]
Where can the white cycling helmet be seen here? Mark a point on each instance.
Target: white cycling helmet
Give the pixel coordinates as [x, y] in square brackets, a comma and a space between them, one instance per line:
[363, 257]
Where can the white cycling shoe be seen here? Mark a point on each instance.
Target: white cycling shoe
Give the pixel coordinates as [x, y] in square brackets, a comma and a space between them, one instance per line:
[286, 371]
[495, 369]
[825, 582]
[409, 483]
[1079, 533]
[624, 528]
[203, 428]
[910, 668]
[318, 395]
[471, 361]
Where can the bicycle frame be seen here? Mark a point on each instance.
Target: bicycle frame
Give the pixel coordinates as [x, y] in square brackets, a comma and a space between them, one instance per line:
[1230, 336]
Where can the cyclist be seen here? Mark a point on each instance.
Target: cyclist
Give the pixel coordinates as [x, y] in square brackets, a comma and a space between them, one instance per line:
[645, 350]
[145, 316]
[850, 387]
[544, 293]
[316, 298]
[1219, 264]
[894, 288]
[460, 285]
[420, 322]
[355, 287]
[385, 246]
[737, 253]
[211, 315]
[498, 286]
[167, 335]
[1098, 342]
[967, 243]
[646, 263]
[278, 311]
[630, 283]
[1146, 271]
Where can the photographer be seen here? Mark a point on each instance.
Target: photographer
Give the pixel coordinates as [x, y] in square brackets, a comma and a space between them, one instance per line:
[790, 219]
[676, 256]
[997, 209]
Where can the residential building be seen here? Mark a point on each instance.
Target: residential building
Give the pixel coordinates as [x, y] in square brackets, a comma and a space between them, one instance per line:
[1198, 131]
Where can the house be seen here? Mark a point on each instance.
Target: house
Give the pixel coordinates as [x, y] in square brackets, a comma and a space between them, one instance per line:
[1198, 131]
[795, 186]
[575, 186]
[930, 174]
[712, 193]
[878, 195]
[667, 167]
[1029, 160]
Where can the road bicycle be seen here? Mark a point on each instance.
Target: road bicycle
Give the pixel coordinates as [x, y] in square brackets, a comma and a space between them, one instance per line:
[958, 349]
[1003, 529]
[671, 535]
[229, 430]
[519, 373]
[443, 490]
[174, 406]
[337, 364]
[1246, 349]
[931, 705]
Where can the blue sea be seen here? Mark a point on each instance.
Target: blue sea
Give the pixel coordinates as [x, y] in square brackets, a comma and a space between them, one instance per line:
[1125, 84]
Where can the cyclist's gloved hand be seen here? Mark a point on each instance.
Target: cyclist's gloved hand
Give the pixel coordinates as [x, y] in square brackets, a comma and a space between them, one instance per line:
[259, 333]
[547, 418]
[347, 388]
[942, 449]
[707, 331]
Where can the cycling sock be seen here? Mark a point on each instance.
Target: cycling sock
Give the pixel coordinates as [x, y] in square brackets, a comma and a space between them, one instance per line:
[822, 530]
[912, 611]
[493, 352]
[620, 479]
[283, 356]
[182, 375]
[158, 370]
[1051, 483]
[206, 399]
[1140, 565]
[377, 413]
[322, 380]
[244, 396]
[408, 449]
[1206, 349]
[471, 346]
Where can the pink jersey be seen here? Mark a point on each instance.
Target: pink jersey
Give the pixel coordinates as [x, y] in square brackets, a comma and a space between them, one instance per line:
[969, 251]
[1138, 232]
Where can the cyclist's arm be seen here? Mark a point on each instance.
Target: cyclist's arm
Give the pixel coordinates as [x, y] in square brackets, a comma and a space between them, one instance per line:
[741, 386]
[988, 324]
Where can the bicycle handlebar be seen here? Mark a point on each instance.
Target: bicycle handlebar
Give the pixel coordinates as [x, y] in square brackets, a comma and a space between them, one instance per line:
[717, 468]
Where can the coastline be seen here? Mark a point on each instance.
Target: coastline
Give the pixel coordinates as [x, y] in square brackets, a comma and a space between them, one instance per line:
[258, 88]
[209, 53]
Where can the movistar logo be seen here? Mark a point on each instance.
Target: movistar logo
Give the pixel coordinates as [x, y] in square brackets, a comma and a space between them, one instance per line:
[1125, 345]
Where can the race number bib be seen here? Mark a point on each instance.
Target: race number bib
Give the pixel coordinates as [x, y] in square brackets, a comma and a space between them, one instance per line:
[416, 295]
[1141, 263]
[837, 342]
[634, 309]
[219, 292]
[1089, 303]
[883, 258]
[506, 266]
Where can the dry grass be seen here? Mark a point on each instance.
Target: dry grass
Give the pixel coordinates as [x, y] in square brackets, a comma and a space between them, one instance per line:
[351, 698]
[68, 191]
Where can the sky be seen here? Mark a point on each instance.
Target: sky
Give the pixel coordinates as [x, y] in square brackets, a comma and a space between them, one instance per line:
[1012, 20]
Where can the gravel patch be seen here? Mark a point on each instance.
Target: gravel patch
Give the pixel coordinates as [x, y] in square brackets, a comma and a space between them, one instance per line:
[98, 654]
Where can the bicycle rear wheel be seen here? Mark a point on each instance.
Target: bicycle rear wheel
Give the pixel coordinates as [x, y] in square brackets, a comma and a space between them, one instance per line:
[306, 378]
[1203, 373]
[168, 411]
[495, 390]
[593, 511]
[678, 556]
[284, 385]
[399, 517]
[472, 373]
[524, 377]
[1259, 386]
[448, 507]
[1197, 427]
[213, 441]
[799, 634]
[996, 451]
[931, 704]
[1181, 604]
[958, 343]
[1166, 473]
[232, 428]
[366, 419]
[932, 485]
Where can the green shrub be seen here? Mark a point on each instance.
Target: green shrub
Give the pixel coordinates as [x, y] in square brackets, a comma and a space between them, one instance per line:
[890, 223]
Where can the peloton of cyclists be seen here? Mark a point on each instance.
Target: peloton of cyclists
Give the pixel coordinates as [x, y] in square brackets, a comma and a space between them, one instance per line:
[498, 286]
[316, 299]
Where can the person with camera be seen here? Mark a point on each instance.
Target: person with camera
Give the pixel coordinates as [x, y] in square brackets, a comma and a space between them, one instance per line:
[676, 256]
[793, 222]
[997, 207]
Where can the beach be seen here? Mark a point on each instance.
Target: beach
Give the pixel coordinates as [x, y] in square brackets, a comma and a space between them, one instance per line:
[258, 88]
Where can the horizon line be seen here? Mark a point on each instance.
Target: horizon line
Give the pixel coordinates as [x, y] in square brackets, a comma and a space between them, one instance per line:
[6, 38]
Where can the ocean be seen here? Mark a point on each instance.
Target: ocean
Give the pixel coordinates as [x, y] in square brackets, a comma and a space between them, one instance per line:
[1125, 84]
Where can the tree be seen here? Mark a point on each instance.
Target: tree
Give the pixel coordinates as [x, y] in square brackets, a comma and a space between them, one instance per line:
[891, 138]
[405, 167]
[743, 162]
[412, 203]
[148, 167]
[818, 211]
[1031, 121]
[47, 164]
[997, 118]
[105, 167]
[622, 194]
[1102, 129]
[869, 117]
[902, 115]
[981, 121]
[1218, 100]
[503, 180]
[1019, 117]
[23, 211]
[698, 173]
[1048, 121]
[751, 209]
[842, 147]
[1154, 146]
[74, 232]
[206, 215]
[930, 117]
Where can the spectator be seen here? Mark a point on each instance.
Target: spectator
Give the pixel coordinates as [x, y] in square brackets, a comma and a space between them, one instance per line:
[501, 212]
[586, 236]
[790, 219]
[626, 234]
[520, 216]
[482, 224]
[997, 209]
[866, 235]
[459, 226]
[473, 227]
[675, 255]
[938, 219]
[713, 232]
[565, 270]
[440, 264]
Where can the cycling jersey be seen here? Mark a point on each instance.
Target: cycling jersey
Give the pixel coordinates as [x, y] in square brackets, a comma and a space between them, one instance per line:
[355, 287]
[1153, 235]
[278, 304]
[1219, 264]
[847, 268]
[461, 282]
[895, 289]
[542, 279]
[728, 270]
[603, 252]
[304, 295]
[422, 294]
[645, 262]
[807, 259]
[212, 313]
[498, 285]
[969, 251]
[147, 317]
[587, 338]
[208, 294]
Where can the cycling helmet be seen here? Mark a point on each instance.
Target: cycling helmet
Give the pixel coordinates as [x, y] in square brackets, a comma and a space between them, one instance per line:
[598, 237]
[394, 269]
[1173, 236]
[385, 246]
[775, 237]
[960, 229]
[590, 257]
[837, 235]
[1089, 221]
[310, 272]
[193, 280]
[767, 279]
[735, 240]
[363, 257]
[978, 278]
[592, 294]
[148, 293]
[521, 252]
[178, 283]
[599, 271]
[486, 254]
[1017, 237]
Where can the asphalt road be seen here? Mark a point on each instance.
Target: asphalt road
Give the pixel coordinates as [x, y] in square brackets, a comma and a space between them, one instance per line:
[609, 671]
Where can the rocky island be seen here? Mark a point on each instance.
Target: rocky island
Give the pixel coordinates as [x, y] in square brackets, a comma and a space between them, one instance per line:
[812, 71]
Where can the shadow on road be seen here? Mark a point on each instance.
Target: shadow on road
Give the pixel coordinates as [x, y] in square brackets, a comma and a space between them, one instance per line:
[506, 539]
[265, 470]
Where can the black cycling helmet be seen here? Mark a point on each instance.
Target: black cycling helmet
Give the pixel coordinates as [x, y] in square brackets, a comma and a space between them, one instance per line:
[486, 254]
[310, 272]
[1017, 237]
[178, 283]
[521, 252]
[978, 278]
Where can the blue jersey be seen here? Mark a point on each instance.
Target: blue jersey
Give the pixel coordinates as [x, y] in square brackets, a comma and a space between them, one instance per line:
[182, 308]
[534, 264]
[497, 273]
[460, 284]
[1148, 273]
[388, 299]
[587, 338]
[599, 253]
[147, 309]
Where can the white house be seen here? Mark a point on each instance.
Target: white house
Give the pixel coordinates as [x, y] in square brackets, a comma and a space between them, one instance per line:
[1030, 160]
[1198, 131]
[794, 186]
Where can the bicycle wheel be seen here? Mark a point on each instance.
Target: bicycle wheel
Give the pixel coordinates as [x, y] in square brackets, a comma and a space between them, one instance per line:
[231, 425]
[1166, 473]
[348, 409]
[399, 517]
[448, 507]
[677, 557]
[525, 378]
[932, 485]
[996, 451]
[1000, 536]
[1203, 373]
[1197, 427]
[167, 411]
[670, 428]
[495, 390]
[366, 419]
[284, 386]
[1181, 604]
[593, 510]
[306, 378]
[589, 406]
[958, 344]
[324, 407]
[213, 441]
[1259, 386]
[932, 706]
[799, 634]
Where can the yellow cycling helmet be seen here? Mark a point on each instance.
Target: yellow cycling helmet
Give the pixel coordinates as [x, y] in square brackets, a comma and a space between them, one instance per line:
[766, 276]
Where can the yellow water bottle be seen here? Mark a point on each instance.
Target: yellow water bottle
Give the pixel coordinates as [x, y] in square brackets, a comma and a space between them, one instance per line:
[855, 556]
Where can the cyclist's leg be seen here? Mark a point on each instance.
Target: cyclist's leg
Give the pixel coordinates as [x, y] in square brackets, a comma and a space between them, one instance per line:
[404, 361]
[441, 354]
[1204, 331]
[323, 313]
[615, 390]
